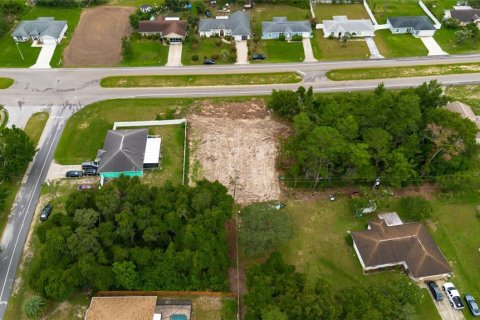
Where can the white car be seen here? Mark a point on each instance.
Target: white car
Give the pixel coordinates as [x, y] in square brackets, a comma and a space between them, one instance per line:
[453, 296]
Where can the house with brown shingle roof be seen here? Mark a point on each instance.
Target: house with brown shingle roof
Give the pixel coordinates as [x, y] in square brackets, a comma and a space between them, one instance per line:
[408, 245]
[172, 29]
[121, 308]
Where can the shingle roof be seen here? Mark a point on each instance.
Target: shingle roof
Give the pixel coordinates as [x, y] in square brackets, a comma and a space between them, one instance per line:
[410, 243]
[121, 308]
[282, 25]
[238, 22]
[330, 26]
[164, 26]
[466, 15]
[123, 150]
[40, 27]
[415, 22]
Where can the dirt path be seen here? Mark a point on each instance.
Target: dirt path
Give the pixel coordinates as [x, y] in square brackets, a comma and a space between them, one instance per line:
[97, 39]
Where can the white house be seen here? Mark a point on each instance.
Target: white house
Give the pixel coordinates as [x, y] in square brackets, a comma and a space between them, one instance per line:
[236, 25]
[45, 30]
[281, 26]
[418, 26]
[341, 25]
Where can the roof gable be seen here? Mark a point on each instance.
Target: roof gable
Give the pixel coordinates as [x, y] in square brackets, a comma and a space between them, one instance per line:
[160, 25]
[415, 22]
[43, 26]
[282, 25]
[238, 22]
[466, 15]
[330, 26]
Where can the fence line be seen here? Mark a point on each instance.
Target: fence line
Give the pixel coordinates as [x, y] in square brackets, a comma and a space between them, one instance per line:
[370, 13]
[438, 25]
[147, 123]
[164, 293]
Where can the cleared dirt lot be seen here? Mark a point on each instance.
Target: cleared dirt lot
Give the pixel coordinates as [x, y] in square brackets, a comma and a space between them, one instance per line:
[236, 140]
[97, 39]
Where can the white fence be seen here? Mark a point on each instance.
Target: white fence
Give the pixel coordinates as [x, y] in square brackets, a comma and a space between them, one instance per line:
[438, 25]
[370, 13]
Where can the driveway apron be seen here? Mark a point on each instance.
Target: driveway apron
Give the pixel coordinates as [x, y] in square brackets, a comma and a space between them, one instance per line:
[242, 52]
[307, 48]
[372, 46]
[432, 46]
[174, 55]
[46, 54]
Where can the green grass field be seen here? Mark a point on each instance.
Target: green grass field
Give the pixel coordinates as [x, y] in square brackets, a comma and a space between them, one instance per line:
[382, 9]
[399, 45]
[280, 51]
[334, 49]
[35, 126]
[446, 39]
[200, 80]
[206, 48]
[352, 11]
[146, 53]
[401, 72]
[6, 83]
[466, 94]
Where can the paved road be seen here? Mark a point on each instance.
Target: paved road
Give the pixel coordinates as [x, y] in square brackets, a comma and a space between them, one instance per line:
[18, 225]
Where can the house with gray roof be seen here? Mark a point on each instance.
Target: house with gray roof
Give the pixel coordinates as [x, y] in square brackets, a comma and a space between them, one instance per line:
[281, 26]
[464, 15]
[418, 26]
[236, 25]
[340, 25]
[45, 30]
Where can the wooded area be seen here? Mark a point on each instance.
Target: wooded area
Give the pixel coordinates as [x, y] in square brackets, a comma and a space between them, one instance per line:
[131, 236]
[402, 136]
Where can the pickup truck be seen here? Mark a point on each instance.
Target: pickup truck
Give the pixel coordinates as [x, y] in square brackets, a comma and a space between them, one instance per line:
[453, 296]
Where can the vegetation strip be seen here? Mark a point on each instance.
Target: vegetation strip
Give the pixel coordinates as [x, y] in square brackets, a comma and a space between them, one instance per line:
[199, 80]
[6, 83]
[35, 126]
[401, 72]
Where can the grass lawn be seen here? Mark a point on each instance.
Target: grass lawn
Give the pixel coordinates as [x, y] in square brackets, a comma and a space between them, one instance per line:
[134, 3]
[400, 72]
[327, 11]
[394, 8]
[6, 83]
[466, 94]
[11, 58]
[35, 126]
[399, 45]
[446, 39]
[146, 53]
[200, 80]
[333, 49]
[265, 12]
[279, 51]
[206, 48]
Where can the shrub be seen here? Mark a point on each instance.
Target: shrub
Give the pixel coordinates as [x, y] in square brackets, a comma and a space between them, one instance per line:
[34, 307]
[218, 42]
[194, 57]
[451, 23]
[415, 208]
[297, 38]
[281, 37]
[215, 56]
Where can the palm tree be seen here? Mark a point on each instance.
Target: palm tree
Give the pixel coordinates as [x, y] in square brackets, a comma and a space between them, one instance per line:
[34, 307]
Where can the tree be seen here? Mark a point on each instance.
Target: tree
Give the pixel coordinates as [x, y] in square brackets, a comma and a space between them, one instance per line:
[346, 36]
[415, 208]
[125, 275]
[34, 307]
[264, 228]
[463, 36]
[273, 313]
[379, 141]
[16, 151]
[285, 102]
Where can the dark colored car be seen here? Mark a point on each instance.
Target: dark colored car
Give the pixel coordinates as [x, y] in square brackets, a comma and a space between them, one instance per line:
[208, 13]
[90, 172]
[74, 174]
[208, 61]
[89, 165]
[46, 212]
[435, 290]
[472, 305]
[84, 187]
[258, 56]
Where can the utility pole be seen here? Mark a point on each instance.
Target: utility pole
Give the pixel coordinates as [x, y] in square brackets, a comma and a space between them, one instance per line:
[20, 51]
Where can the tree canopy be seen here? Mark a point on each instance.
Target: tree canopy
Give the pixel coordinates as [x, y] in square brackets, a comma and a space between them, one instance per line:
[135, 237]
[402, 136]
[16, 152]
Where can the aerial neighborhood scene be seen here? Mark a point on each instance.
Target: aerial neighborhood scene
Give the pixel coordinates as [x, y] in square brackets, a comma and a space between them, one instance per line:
[240, 159]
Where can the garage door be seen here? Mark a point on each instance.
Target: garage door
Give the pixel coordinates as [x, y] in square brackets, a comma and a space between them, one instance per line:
[175, 40]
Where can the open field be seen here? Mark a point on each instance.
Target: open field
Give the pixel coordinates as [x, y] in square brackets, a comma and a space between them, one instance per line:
[334, 49]
[446, 39]
[327, 11]
[466, 94]
[97, 40]
[401, 72]
[236, 144]
[206, 48]
[35, 126]
[399, 45]
[200, 80]
[6, 83]
[279, 51]
[146, 53]
[382, 9]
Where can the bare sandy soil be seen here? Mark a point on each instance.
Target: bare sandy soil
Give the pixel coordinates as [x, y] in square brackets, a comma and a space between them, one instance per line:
[97, 39]
[236, 144]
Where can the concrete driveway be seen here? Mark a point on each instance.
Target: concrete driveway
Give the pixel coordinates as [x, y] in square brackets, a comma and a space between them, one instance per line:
[444, 308]
[174, 55]
[432, 47]
[372, 47]
[46, 54]
[242, 52]
[307, 48]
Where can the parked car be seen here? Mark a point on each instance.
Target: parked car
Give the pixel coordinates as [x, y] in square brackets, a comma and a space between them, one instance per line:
[472, 305]
[453, 296]
[46, 212]
[435, 290]
[74, 174]
[208, 61]
[89, 165]
[208, 14]
[90, 172]
[258, 56]
[84, 187]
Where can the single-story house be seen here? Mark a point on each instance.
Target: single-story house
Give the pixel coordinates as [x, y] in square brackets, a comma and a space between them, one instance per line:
[172, 29]
[465, 111]
[44, 29]
[122, 308]
[419, 26]
[236, 25]
[145, 8]
[127, 152]
[464, 15]
[341, 25]
[281, 26]
[385, 245]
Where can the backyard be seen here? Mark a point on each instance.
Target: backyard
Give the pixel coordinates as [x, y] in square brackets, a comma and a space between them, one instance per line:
[334, 49]
[146, 52]
[399, 45]
[265, 12]
[382, 9]
[327, 11]
[207, 48]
